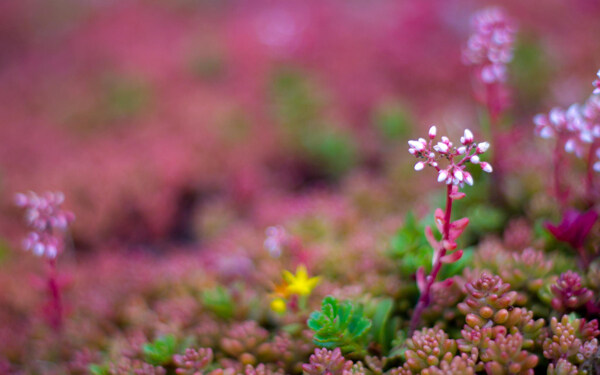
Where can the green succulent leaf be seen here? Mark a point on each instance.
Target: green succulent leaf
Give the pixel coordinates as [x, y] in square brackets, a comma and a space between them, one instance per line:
[340, 325]
[160, 351]
[384, 324]
[219, 301]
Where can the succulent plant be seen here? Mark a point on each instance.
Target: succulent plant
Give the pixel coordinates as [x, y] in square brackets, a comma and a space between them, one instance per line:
[504, 355]
[428, 347]
[325, 361]
[193, 362]
[340, 325]
[572, 339]
[569, 294]
[489, 299]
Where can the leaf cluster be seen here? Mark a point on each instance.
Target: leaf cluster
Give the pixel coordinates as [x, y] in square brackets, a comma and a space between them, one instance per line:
[340, 325]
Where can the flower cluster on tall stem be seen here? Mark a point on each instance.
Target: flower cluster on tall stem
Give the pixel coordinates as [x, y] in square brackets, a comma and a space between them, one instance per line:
[454, 175]
[488, 51]
[48, 223]
[575, 130]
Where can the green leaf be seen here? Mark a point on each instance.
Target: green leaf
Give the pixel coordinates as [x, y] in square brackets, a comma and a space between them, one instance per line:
[160, 351]
[340, 325]
[219, 301]
[384, 324]
[98, 369]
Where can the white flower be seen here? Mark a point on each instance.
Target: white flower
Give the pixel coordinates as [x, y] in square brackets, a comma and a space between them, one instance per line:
[468, 178]
[486, 167]
[417, 145]
[482, 147]
[419, 166]
[442, 148]
[432, 132]
[475, 159]
[443, 175]
[467, 138]
[458, 174]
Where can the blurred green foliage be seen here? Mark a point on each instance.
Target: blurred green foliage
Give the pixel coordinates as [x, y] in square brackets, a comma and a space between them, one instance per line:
[219, 301]
[530, 71]
[393, 120]
[160, 351]
[299, 106]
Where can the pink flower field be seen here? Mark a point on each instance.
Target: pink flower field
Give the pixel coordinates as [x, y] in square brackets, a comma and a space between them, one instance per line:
[317, 187]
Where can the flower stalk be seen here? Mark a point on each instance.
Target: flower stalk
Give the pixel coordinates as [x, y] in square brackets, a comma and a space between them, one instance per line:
[454, 175]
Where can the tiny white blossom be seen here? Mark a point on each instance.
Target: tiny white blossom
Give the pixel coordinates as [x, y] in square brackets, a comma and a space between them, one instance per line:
[432, 132]
[468, 178]
[443, 175]
[441, 147]
[482, 147]
[486, 167]
[467, 138]
[419, 166]
[475, 159]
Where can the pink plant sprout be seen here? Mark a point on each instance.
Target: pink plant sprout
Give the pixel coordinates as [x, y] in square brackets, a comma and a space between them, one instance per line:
[490, 48]
[458, 157]
[454, 176]
[48, 221]
[596, 84]
[45, 217]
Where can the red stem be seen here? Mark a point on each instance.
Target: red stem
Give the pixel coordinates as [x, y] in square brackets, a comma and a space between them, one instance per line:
[589, 182]
[55, 298]
[425, 297]
[558, 160]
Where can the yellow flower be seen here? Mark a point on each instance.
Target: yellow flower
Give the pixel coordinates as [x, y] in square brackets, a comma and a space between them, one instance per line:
[300, 283]
[278, 305]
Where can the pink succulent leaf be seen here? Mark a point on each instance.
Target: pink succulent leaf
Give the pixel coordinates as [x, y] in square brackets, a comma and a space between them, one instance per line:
[431, 238]
[439, 220]
[453, 257]
[457, 227]
[574, 227]
[449, 245]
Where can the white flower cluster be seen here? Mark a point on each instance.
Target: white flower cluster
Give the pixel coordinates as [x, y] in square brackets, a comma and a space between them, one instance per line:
[44, 216]
[454, 173]
[578, 126]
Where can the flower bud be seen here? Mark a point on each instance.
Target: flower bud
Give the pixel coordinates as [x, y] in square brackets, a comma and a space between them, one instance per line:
[443, 175]
[486, 167]
[432, 132]
[482, 147]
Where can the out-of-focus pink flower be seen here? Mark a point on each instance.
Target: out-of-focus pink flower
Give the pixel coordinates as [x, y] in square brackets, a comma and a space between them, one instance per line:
[576, 126]
[490, 47]
[574, 227]
[44, 216]
[596, 84]
[276, 240]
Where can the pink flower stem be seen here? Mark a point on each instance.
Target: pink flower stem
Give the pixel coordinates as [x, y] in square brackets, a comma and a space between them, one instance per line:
[584, 260]
[589, 181]
[561, 195]
[55, 312]
[425, 297]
